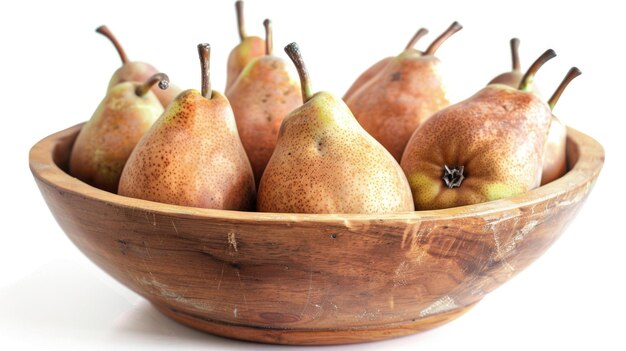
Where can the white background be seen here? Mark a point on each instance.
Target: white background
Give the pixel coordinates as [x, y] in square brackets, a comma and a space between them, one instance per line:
[55, 70]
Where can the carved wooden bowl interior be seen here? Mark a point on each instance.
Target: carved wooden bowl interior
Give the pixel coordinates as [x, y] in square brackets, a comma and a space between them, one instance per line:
[311, 279]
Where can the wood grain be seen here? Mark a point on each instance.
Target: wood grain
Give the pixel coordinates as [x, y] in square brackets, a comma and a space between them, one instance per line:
[311, 279]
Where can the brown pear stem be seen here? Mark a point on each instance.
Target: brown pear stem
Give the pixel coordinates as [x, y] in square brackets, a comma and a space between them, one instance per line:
[240, 23]
[204, 51]
[293, 51]
[515, 54]
[161, 78]
[528, 78]
[454, 27]
[269, 38]
[104, 30]
[571, 74]
[416, 37]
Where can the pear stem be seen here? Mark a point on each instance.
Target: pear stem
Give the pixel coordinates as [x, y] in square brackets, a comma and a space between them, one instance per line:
[515, 54]
[269, 38]
[528, 78]
[161, 78]
[571, 74]
[204, 51]
[240, 22]
[454, 27]
[293, 51]
[417, 36]
[104, 30]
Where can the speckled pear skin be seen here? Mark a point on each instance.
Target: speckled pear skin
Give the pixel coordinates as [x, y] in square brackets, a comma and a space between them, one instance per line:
[366, 76]
[498, 135]
[192, 156]
[247, 50]
[106, 141]
[140, 72]
[399, 98]
[265, 92]
[324, 162]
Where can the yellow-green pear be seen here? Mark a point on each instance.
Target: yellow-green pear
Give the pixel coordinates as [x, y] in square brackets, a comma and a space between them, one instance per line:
[106, 141]
[325, 162]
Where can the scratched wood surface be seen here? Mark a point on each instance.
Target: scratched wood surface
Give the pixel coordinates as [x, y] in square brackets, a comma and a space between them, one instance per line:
[311, 279]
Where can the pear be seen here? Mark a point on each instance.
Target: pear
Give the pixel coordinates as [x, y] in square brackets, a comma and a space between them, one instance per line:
[192, 155]
[554, 157]
[378, 66]
[488, 147]
[324, 162]
[249, 48]
[265, 92]
[409, 89]
[106, 141]
[136, 71]
[513, 77]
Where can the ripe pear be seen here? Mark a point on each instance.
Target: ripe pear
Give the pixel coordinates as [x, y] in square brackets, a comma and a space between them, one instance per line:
[136, 71]
[265, 92]
[378, 66]
[514, 76]
[487, 147]
[106, 141]
[324, 162]
[249, 48]
[554, 157]
[192, 155]
[409, 89]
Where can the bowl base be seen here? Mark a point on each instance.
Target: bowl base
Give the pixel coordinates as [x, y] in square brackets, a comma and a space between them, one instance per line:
[295, 336]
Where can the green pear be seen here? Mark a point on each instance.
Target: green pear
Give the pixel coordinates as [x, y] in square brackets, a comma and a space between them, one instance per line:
[487, 147]
[325, 162]
[406, 92]
[192, 155]
[106, 141]
[135, 71]
[249, 48]
[265, 92]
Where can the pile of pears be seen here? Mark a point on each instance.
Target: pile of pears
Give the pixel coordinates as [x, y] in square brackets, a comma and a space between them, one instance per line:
[392, 143]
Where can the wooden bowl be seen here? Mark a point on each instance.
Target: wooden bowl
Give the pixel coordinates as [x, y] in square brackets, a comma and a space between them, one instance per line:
[311, 279]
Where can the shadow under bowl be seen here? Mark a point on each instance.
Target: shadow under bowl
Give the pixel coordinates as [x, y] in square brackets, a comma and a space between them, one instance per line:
[311, 279]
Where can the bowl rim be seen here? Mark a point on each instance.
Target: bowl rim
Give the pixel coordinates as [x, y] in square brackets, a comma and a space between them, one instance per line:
[583, 173]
